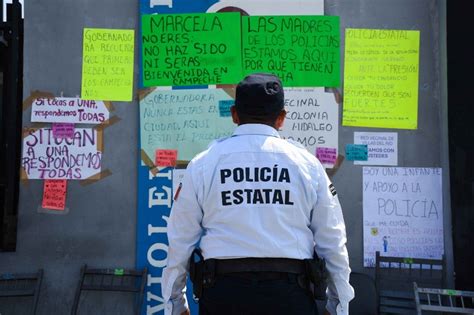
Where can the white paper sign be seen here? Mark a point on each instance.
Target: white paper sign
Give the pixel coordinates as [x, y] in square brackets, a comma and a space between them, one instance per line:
[271, 7]
[382, 147]
[69, 110]
[46, 157]
[312, 119]
[403, 213]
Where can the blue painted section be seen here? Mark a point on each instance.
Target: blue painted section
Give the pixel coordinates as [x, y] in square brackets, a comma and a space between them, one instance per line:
[154, 201]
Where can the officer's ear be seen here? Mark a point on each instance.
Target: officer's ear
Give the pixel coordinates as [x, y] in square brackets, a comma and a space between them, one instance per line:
[280, 120]
[235, 116]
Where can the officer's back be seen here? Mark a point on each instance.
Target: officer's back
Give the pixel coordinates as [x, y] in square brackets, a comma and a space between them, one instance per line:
[257, 192]
[258, 206]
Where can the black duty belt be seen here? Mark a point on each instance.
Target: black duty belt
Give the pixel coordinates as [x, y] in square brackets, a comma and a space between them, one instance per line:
[238, 265]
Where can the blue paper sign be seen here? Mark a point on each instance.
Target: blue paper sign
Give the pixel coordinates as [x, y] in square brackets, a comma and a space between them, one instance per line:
[356, 152]
[224, 108]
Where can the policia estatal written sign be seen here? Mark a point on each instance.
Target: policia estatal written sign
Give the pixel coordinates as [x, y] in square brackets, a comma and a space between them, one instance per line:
[257, 195]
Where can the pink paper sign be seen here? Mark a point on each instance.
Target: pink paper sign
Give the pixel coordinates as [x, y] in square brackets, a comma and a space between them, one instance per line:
[63, 130]
[54, 194]
[326, 155]
[165, 157]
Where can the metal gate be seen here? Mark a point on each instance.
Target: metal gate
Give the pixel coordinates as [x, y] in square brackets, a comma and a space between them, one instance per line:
[11, 86]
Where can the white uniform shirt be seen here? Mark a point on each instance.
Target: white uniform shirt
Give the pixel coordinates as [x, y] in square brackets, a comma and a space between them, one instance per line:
[256, 195]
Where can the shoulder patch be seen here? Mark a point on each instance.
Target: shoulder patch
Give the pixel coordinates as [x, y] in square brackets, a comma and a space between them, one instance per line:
[176, 195]
[332, 189]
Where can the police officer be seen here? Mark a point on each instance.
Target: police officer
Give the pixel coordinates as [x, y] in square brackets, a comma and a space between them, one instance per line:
[258, 206]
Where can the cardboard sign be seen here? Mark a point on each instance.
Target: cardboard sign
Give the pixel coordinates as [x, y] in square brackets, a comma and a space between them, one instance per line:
[166, 157]
[107, 66]
[183, 120]
[191, 49]
[69, 110]
[54, 194]
[47, 157]
[301, 50]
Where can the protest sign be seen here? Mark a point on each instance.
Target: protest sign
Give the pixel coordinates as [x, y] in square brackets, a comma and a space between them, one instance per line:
[69, 110]
[54, 194]
[381, 78]
[46, 157]
[382, 147]
[107, 66]
[182, 120]
[403, 213]
[301, 50]
[311, 119]
[191, 49]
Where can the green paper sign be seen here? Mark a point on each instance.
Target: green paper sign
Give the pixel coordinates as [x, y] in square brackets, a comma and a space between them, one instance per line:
[191, 49]
[302, 50]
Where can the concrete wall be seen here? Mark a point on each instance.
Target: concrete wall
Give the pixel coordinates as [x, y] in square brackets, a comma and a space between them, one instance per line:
[99, 227]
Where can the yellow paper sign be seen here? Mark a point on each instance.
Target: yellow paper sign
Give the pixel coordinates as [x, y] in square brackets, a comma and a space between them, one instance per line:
[381, 78]
[107, 66]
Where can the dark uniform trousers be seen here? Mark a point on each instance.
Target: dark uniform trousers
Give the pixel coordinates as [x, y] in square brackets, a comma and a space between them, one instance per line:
[257, 293]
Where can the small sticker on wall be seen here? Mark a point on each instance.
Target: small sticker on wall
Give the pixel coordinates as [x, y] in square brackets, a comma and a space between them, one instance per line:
[63, 130]
[166, 157]
[224, 108]
[326, 155]
[356, 152]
